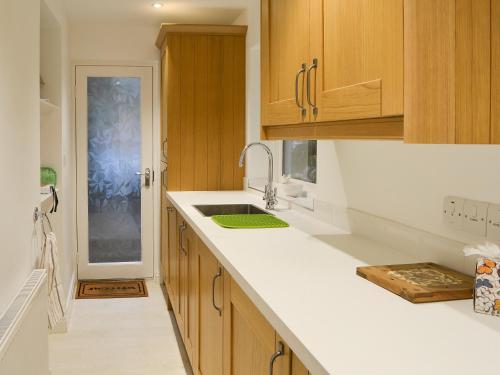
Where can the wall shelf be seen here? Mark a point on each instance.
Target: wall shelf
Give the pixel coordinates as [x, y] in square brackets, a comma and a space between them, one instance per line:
[47, 107]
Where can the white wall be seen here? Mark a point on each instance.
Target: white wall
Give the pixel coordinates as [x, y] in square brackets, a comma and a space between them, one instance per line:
[68, 247]
[19, 141]
[120, 42]
[404, 183]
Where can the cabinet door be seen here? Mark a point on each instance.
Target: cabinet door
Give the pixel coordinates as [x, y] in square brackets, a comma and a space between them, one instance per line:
[164, 239]
[173, 259]
[449, 61]
[284, 49]
[249, 340]
[181, 316]
[358, 47]
[288, 363]
[210, 319]
[190, 296]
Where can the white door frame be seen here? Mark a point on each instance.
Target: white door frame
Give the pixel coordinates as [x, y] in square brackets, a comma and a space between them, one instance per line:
[147, 268]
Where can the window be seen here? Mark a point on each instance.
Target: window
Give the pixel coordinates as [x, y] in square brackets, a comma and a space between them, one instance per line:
[299, 160]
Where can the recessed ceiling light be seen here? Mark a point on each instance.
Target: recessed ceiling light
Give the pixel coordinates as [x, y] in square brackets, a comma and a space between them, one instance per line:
[157, 5]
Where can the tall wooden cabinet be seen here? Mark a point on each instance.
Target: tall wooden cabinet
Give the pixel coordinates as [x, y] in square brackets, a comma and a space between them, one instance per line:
[452, 61]
[332, 69]
[203, 105]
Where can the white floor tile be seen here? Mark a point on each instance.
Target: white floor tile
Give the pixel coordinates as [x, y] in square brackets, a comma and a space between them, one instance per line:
[128, 336]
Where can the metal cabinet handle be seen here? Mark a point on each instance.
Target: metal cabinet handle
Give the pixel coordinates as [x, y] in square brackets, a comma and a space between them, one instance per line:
[182, 229]
[279, 353]
[217, 275]
[170, 209]
[302, 70]
[314, 66]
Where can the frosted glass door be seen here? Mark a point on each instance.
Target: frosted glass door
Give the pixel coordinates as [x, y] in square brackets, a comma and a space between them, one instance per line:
[114, 136]
[114, 157]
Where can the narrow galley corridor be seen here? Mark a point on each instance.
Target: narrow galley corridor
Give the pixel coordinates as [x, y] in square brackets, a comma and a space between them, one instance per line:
[118, 336]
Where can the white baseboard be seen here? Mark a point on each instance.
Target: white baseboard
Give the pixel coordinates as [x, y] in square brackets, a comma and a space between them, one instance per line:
[63, 324]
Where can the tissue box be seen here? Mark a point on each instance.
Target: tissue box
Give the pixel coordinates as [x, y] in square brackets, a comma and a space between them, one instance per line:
[487, 288]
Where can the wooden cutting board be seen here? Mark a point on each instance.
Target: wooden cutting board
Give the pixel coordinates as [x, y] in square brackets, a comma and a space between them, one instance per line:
[420, 282]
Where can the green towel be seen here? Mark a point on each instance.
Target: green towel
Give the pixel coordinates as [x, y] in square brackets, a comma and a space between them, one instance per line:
[259, 221]
[48, 176]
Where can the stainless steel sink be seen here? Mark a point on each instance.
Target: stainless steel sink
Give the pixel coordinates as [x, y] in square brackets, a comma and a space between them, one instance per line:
[229, 209]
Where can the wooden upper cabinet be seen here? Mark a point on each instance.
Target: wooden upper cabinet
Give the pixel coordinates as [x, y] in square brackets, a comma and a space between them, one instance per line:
[284, 54]
[358, 50]
[351, 86]
[451, 71]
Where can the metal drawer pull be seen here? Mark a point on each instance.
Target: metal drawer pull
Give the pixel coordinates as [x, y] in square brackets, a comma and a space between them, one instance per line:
[170, 209]
[182, 229]
[297, 78]
[314, 66]
[217, 275]
[279, 353]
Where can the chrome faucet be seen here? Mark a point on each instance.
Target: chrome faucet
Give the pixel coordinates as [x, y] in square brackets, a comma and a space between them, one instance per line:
[269, 193]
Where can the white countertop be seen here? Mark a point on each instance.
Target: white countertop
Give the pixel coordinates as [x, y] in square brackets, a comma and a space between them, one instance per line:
[304, 282]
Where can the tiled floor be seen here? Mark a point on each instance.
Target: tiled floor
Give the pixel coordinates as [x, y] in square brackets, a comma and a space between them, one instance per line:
[129, 336]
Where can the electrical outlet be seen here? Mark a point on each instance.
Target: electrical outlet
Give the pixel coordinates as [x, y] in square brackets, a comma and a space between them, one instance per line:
[493, 225]
[475, 214]
[453, 212]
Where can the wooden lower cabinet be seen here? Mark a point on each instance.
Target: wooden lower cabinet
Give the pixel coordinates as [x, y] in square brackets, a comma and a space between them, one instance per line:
[210, 319]
[249, 340]
[222, 330]
[172, 256]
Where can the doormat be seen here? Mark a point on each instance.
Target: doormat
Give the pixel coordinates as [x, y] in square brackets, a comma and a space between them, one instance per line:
[88, 289]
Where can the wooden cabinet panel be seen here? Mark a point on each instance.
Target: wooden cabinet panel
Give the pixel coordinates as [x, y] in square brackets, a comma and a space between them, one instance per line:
[359, 47]
[495, 71]
[181, 312]
[172, 272]
[210, 321]
[164, 240]
[190, 274]
[284, 49]
[249, 340]
[289, 363]
[448, 64]
[172, 111]
[204, 75]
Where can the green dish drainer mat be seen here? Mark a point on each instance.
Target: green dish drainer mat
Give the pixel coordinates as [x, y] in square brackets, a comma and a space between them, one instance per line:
[259, 221]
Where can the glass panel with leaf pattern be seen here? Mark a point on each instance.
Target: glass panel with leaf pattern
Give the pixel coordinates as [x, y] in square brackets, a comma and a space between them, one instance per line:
[114, 157]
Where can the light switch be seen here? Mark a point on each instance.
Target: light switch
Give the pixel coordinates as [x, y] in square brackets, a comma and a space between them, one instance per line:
[475, 214]
[453, 212]
[493, 223]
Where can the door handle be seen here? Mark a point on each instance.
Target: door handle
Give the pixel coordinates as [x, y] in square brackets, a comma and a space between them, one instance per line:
[302, 70]
[314, 67]
[147, 177]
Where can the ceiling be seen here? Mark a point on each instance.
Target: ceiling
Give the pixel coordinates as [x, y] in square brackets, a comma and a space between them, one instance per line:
[140, 12]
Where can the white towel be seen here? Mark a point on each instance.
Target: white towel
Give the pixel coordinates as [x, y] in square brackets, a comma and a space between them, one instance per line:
[49, 261]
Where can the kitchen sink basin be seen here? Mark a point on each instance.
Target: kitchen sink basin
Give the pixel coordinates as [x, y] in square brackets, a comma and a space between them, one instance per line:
[229, 209]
